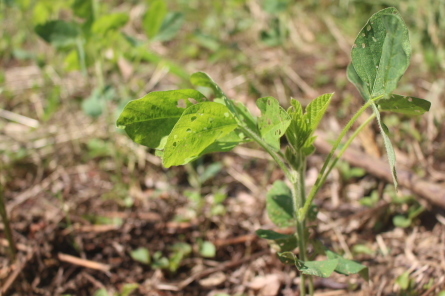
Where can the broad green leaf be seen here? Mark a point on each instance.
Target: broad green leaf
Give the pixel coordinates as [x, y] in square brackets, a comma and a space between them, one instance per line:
[404, 105]
[279, 205]
[109, 22]
[388, 146]
[284, 241]
[273, 122]
[59, 33]
[348, 267]
[318, 268]
[153, 18]
[141, 255]
[381, 52]
[226, 143]
[358, 82]
[199, 126]
[316, 109]
[170, 26]
[150, 119]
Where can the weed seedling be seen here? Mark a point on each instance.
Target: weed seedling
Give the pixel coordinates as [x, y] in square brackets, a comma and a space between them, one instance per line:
[182, 125]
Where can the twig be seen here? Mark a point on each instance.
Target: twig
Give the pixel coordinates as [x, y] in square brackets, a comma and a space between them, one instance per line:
[19, 118]
[83, 262]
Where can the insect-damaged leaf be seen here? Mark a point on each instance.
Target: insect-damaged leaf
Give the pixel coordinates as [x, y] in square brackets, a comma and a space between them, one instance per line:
[286, 242]
[273, 122]
[348, 267]
[318, 268]
[404, 105]
[199, 126]
[279, 205]
[381, 52]
[150, 119]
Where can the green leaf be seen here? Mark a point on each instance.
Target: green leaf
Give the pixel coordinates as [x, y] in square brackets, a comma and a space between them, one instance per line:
[404, 105]
[401, 221]
[287, 258]
[109, 22]
[101, 292]
[83, 8]
[284, 241]
[225, 143]
[170, 26]
[127, 289]
[153, 18]
[202, 79]
[273, 122]
[318, 268]
[316, 109]
[358, 82]
[141, 255]
[199, 126]
[150, 119]
[207, 249]
[381, 52]
[348, 267]
[299, 130]
[58, 33]
[279, 205]
[246, 118]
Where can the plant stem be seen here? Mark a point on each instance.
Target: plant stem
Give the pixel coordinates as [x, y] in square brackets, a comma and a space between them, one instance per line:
[7, 226]
[298, 198]
[346, 145]
[318, 182]
[271, 152]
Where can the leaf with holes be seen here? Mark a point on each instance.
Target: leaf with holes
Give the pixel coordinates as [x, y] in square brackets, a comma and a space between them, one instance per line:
[318, 268]
[286, 242]
[279, 205]
[150, 119]
[348, 267]
[404, 105]
[273, 122]
[199, 126]
[381, 52]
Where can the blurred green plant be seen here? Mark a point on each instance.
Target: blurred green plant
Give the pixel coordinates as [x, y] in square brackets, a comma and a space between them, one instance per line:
[183, 125]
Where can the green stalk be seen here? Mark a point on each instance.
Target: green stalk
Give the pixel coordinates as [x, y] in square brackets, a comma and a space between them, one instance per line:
[318, 182]
[298, 202]
[8, 231]
[346, 145]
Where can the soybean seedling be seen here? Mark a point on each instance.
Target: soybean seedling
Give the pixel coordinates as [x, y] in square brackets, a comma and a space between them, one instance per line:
[183, 124]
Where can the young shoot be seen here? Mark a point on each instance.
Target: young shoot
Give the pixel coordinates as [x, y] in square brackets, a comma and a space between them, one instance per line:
[182, 125]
